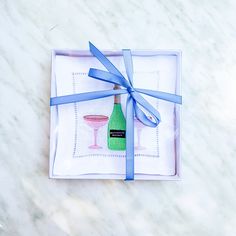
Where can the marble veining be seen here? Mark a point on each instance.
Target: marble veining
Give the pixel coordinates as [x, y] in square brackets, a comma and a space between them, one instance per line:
[202, 203]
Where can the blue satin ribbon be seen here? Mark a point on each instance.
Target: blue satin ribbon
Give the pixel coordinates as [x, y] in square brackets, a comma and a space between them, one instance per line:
[133, 103]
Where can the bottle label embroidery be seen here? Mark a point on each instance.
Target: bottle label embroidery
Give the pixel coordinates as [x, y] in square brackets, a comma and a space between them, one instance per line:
[117, 133]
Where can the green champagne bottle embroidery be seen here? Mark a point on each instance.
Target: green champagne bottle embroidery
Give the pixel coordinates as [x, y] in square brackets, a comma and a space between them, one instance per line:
[116, 126]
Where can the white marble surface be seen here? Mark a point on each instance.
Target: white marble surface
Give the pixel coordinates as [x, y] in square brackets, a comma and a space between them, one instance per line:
[203, 203]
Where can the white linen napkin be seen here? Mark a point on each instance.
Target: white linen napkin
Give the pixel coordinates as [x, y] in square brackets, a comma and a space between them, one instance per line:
[73, 157]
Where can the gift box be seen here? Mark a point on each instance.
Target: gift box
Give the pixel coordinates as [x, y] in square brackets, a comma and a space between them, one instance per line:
[115, 114]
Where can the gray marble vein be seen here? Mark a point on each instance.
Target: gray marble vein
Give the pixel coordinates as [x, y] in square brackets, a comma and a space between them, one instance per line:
[202, 203]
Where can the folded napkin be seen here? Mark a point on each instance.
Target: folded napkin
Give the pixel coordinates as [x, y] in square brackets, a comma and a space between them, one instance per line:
[155, 152]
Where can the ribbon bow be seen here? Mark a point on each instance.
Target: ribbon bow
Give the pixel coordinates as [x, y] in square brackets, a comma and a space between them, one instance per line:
[133, 103]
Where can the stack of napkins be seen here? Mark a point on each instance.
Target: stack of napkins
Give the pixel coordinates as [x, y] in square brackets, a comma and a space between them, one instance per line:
[79, 131]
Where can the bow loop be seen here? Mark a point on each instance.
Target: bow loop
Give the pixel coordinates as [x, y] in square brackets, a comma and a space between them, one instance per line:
[108, 77]
[128, 64]
[153, 118]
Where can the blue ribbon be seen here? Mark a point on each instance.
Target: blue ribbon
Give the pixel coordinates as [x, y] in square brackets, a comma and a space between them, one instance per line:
[133, 103]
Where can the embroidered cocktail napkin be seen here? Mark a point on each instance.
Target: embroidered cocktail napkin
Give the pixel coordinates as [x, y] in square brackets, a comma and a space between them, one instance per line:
[82, 138]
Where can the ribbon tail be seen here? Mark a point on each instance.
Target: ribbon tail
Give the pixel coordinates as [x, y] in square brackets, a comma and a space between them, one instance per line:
[104, 60]
[129, 139]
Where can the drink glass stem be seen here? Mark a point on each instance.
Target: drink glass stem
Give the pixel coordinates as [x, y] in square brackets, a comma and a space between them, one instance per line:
[95, 136]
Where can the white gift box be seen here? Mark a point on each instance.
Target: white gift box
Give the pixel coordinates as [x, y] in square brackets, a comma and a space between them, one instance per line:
[157, 150]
